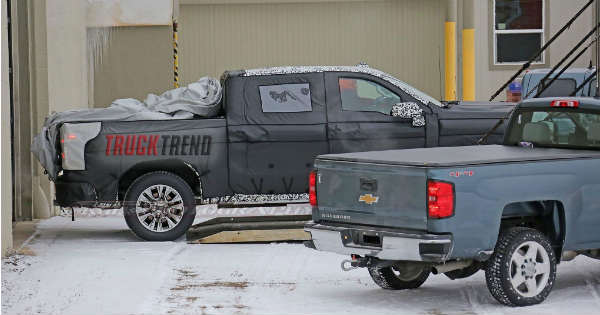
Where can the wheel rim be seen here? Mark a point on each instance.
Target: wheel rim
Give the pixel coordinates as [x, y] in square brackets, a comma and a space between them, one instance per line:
[159, 208]
[529, 269]
[408, 272]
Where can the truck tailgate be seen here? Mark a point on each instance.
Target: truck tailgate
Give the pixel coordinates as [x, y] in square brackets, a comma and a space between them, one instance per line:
[371, 194]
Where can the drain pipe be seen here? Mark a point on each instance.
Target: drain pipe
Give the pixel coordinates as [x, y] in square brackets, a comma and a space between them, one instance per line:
[597, 48]
[175, 25]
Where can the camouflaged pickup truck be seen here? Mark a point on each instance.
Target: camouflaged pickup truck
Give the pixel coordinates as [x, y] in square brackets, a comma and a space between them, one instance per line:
[272, 124]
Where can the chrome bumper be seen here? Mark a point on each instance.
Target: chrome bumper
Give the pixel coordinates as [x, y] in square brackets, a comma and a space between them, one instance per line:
[392, 245]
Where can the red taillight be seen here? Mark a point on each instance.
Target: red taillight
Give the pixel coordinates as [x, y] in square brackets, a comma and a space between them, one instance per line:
[565, 103]
[312, 188]
[440, 199]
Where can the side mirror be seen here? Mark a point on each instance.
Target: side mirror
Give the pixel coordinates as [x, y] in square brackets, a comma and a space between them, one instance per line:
[409, 110]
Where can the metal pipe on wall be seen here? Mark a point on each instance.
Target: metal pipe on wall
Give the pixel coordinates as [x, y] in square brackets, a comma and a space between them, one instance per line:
[597, 47]
[175, 55]
[175, 20]
[450, 50]
[468, 51]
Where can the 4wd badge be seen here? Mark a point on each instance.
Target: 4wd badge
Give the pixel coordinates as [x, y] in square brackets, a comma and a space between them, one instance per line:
[368, 199]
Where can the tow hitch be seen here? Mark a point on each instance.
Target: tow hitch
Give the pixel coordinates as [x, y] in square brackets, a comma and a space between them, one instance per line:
[357, 261]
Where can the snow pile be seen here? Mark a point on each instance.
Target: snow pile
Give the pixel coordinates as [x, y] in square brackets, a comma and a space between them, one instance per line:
[96, 266]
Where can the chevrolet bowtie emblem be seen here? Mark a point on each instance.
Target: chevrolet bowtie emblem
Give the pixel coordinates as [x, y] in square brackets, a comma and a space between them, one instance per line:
[368, 199]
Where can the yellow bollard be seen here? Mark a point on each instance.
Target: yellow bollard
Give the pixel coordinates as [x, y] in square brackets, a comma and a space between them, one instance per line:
[450, 61]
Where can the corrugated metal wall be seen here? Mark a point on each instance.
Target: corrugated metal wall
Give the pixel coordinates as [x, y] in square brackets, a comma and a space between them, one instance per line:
[402, 37]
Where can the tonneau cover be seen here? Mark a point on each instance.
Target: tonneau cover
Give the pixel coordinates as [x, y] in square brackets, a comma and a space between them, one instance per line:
[457, 156]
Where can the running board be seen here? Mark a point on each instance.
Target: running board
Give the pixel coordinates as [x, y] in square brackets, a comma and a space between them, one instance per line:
[282, 203]
[276, 228]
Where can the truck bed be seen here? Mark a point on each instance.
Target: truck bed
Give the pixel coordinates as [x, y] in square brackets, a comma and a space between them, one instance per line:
[458, 156]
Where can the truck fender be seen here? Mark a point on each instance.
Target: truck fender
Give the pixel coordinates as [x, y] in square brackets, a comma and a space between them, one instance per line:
[178, 167]
[547, 216]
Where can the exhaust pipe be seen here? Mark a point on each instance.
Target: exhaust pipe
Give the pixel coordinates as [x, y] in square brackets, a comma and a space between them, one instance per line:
[453, 265]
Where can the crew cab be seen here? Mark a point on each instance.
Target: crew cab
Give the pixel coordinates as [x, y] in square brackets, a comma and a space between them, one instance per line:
[514, 210]
[272, 125]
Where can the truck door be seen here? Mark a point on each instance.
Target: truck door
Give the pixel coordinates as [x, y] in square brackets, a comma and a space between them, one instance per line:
[273, 145]
[358, 113]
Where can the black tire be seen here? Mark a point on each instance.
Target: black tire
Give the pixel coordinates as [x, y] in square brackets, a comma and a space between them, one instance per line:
[173, 182]
[501, 268]
[390, 278]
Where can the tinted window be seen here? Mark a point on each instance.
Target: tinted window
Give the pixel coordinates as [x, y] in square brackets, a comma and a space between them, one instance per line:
[366, 96]
[560, 87]
[518, 47]
[518, 14]
[561, 128]
[285, 98]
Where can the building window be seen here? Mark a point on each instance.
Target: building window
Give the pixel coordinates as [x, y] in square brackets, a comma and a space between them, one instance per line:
[366, 96]
[518, 31]
[285, 98]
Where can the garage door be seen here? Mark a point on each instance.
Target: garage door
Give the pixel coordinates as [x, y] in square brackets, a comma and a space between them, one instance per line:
[402, 37]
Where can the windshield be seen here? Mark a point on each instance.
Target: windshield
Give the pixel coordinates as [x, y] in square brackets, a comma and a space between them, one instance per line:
[558, 128]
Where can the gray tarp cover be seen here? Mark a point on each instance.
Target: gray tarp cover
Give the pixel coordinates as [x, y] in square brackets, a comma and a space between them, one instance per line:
[201, 98]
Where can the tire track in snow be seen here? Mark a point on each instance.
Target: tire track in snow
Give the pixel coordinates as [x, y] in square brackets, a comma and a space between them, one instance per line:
[471, 296]
[164, 269]
[593, 291]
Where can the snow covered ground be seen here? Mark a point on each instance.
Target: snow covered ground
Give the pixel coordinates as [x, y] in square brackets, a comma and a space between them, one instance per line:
[96, 266]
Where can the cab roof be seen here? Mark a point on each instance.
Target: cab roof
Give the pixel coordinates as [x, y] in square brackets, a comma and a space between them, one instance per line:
[410, 90]
[570, 70]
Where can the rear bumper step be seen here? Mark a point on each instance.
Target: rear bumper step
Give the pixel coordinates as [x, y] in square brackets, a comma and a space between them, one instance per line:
[385, 245]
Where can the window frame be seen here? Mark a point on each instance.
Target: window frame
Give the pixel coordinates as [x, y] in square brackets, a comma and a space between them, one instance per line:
[495, 33]
[366, 80]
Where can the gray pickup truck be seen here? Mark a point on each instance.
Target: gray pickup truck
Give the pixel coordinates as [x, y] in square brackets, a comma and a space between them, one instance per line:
[565, 85]
[514, 210]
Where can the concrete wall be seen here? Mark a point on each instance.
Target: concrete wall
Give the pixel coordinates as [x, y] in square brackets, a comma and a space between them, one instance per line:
[489, 77]
[5, 171]
[41, 186]
[66, 63]
[58, 77]
[67, 54]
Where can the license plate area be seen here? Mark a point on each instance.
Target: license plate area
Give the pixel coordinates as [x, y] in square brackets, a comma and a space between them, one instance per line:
[361, 238]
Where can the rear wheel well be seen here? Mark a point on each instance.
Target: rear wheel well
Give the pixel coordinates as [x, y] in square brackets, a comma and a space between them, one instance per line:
[180, 168]
[546, 216]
